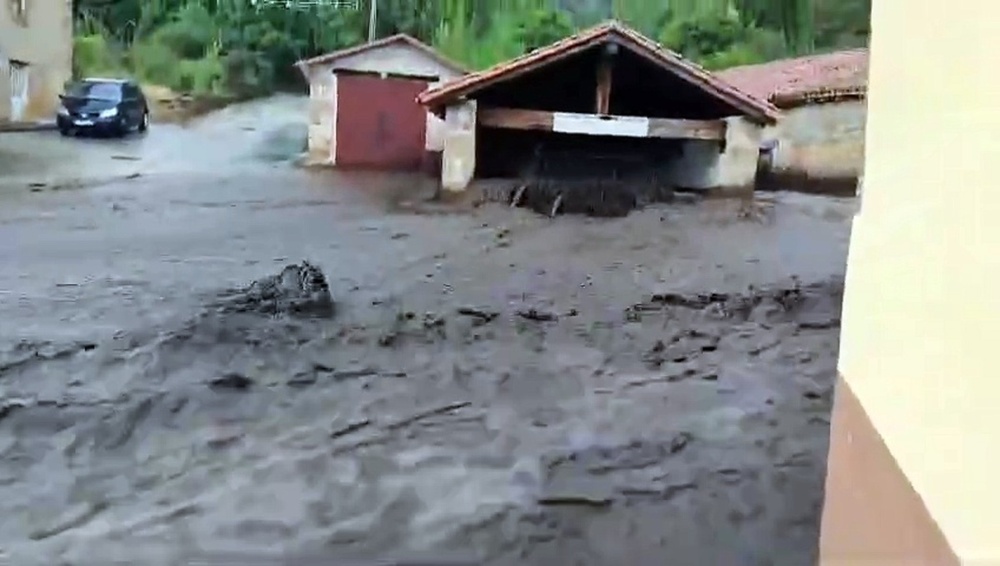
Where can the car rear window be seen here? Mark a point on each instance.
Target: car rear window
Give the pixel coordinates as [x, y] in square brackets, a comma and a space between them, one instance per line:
[95, 90]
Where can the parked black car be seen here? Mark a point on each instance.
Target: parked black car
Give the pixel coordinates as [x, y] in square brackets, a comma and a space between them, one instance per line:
[109, 106]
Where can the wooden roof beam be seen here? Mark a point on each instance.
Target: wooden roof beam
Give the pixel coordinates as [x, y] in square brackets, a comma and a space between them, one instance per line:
[601, 125]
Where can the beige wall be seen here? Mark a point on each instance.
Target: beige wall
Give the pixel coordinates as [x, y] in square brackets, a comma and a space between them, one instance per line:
[822, 140]
[702, 166]
[398, 59]
[920, 310]
[46, 45]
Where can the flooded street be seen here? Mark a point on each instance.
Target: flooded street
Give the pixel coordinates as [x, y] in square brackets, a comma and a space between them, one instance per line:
[494, 386]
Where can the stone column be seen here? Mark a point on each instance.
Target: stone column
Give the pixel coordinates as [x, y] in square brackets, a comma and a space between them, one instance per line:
[459, 156]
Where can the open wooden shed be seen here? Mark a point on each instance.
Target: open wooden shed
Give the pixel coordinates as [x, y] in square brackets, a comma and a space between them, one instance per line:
[607, 103]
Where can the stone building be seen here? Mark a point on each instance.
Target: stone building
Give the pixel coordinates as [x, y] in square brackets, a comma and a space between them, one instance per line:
[820, 139]
[363, 105]
[36, 57]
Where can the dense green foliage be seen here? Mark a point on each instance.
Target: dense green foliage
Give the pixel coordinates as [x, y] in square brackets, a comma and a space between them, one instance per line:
[247, 47]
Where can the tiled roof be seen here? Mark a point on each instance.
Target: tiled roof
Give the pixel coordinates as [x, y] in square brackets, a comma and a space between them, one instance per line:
[816, 78]
[755, 107]
[392, 39]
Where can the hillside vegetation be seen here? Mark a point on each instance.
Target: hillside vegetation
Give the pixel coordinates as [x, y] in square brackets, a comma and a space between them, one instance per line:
[247, 47]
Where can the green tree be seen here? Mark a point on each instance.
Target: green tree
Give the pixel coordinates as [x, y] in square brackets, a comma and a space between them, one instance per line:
[538, 28]
[232, 45]
[720, 40]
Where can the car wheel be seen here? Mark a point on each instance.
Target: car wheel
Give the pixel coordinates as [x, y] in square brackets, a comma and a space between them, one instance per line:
[144, 124]
[64, 132]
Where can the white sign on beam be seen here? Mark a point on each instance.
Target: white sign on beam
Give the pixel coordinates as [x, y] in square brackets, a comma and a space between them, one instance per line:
[594, 125]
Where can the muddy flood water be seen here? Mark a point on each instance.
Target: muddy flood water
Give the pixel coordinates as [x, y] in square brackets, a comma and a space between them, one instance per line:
[489, 387]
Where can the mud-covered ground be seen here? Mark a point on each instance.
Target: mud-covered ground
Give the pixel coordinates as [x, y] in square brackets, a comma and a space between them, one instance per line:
[493, 386]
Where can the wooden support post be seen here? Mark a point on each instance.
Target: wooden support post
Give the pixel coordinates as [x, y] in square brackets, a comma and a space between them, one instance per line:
[515, 119]
[518, 196]
[604, 69]
[556, 206]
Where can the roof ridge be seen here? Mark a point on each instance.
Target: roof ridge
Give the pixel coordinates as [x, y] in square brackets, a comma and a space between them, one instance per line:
[694, 73]
[382, 42]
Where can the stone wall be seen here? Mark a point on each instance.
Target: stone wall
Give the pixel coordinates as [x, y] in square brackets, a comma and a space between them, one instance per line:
[709, 165]
[43, 39]
[820, 146]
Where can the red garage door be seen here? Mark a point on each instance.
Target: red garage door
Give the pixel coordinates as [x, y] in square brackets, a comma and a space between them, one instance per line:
[379, 123]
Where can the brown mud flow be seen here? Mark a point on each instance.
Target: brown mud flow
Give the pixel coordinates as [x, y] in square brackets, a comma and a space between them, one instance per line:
[481, 430]
[488, 385]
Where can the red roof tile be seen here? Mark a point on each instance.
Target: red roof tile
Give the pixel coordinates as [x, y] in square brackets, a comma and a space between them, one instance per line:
[752, 106]
[794, 79]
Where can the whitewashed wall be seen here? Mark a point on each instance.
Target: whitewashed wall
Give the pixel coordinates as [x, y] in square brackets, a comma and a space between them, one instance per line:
[399, 59]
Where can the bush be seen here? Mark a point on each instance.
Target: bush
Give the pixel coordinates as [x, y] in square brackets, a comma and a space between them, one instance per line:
[732, 57]
[718, 41]
[703, 35]
[539, 28]
[94, 55]
[200, 76]
[155, 63]
[190, 33]
[246, 73]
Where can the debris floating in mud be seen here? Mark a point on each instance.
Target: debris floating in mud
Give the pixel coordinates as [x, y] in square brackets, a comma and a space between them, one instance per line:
[784, 300]
[300, 289]
[481, 315]
[350, 427]
[232, 381]
[680, 442]
[8, 406]
[354, 373]
[820, 324]
[442, 410]
[537, 315]
[302, 379]
[575, 499]
[596, 197]
[75, 517]
[580, 491]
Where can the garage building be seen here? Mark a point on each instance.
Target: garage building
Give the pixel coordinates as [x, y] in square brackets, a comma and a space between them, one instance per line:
[363, 111]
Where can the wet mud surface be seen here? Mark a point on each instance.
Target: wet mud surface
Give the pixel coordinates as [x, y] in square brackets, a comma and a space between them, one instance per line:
[494, 387]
